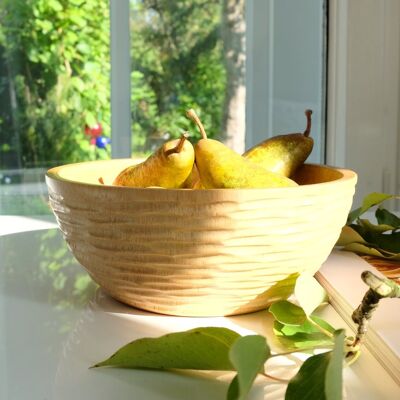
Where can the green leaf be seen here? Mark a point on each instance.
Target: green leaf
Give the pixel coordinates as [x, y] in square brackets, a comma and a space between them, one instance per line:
[385, 217]
[387, 242]
[288, 313]
[307, 327]
[334, 372]
[83, 47]
[372, 199]
[248, 355]
[78, 84]
[370, 250]
[199, 348]
[309, 293]
[55, 5]
[90, 119]
[370, 227]
[304, 336]
[321, 376]
[349, 235]
[282, 289]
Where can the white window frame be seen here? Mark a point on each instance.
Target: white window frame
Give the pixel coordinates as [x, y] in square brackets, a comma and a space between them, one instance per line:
[363, 124]
[120, 54]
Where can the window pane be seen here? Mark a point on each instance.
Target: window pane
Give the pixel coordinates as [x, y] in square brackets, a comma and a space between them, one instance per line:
[286, 70]
[54, 93]
[250, 68]
[187, 54]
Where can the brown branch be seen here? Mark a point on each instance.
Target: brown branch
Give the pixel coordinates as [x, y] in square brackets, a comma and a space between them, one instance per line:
[379, 288]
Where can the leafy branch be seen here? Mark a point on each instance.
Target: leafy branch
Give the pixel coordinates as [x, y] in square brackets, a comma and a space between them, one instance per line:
[362, 236]
[216, 348]
[296, 326]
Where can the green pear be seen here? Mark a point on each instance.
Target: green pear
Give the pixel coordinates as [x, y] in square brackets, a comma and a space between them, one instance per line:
[221, 167]
[168, 167]
[283, 154]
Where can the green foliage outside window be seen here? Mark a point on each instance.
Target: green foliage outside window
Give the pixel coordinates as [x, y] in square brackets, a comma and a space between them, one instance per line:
[55, 68]
[55, 60]
[177, 63]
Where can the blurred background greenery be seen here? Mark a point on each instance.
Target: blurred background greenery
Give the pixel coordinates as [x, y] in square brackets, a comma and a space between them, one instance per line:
[54, 63]
[55, 67]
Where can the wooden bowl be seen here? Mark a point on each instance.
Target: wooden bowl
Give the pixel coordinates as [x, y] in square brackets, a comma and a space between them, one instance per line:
[197, 252]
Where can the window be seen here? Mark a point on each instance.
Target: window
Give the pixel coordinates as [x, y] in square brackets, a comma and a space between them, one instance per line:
[54, 93]
[250, 69]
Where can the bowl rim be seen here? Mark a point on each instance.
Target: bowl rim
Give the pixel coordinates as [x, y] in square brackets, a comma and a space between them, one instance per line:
[53, 173]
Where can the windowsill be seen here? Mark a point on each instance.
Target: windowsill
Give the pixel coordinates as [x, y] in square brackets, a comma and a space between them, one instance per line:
[341, 277]
[32, 243]
[15, 224]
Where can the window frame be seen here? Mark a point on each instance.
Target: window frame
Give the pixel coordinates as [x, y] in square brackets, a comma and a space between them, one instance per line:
[120, 60]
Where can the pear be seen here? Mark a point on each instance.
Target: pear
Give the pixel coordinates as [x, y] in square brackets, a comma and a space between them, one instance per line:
[221, 167]
[283, 154]
[168, 167]
[193, 180]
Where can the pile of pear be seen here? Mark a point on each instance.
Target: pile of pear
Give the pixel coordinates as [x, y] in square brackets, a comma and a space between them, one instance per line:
[210, 164]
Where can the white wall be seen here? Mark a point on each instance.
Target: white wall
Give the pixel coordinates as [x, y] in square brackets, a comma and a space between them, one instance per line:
[285, 69]
[363, 105]
[363, 97]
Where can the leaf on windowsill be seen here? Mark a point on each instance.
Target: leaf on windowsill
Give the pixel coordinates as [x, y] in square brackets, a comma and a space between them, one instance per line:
[363, 237]
[385, 217]
[210, 348]
[305, 336]
[320, 376]
[366, 249]
[368, 226]
[200, 348]
[348, 236]
[282, 289]
[248, 355]
[288, 313]
[369, 201]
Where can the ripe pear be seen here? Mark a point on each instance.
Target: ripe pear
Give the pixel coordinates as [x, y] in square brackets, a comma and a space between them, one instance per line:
[168, 167]
[283, 154]
[193, 180]
[221, 167]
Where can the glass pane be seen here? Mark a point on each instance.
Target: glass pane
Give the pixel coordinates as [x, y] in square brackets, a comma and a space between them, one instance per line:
[187, 54]
[54, 93]
[249, 68]
[286, 70]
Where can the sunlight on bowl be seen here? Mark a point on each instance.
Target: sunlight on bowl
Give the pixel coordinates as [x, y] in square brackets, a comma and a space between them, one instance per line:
[197, 252]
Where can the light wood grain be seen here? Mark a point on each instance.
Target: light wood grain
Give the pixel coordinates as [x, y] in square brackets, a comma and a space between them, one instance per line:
[197, 252]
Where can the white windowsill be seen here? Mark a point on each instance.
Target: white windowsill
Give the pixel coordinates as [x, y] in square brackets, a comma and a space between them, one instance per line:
[369, 378]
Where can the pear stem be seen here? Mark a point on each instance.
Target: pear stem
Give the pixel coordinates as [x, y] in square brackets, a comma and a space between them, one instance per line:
[178, 148]
[308, 127]
[193, 116]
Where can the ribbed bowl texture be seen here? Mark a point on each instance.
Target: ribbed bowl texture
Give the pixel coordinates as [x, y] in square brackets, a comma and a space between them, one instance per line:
[197, 252]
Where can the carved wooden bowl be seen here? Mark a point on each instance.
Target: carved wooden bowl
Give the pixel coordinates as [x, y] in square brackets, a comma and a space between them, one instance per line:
[197, 252]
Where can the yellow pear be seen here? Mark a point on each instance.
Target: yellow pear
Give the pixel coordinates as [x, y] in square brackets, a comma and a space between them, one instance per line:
[193, 180]
[283, 154]
[168, 167]
[221, 167]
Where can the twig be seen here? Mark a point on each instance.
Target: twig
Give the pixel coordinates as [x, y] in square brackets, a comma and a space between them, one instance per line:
[378, 289]
[274, 378]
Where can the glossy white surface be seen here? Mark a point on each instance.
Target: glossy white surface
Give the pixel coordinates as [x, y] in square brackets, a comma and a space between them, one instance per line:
[55, 324]
[341, 278]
